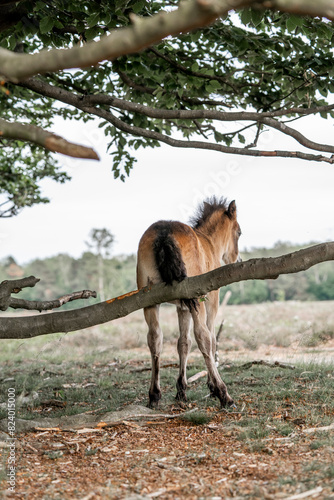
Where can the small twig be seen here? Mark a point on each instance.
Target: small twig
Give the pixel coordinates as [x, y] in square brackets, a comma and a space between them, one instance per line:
[148, 368]
[37, 305]
[197, 376]
[31, 447]
[15, 286]
[271, 364]
[306, 494]
[319, 429]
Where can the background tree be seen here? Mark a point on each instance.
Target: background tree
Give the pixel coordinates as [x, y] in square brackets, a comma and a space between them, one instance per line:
[101, 243]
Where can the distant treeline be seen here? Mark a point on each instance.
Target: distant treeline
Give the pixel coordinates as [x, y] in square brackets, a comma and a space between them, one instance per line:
[63, 274]
[317, 283]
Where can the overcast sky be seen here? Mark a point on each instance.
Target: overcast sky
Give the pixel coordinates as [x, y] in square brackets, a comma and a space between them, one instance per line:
[277, 199]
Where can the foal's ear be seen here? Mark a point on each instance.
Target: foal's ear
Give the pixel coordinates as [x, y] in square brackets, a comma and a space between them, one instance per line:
[232, 210]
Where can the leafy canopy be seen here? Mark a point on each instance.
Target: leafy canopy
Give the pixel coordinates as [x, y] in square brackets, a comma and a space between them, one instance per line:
[253, 60]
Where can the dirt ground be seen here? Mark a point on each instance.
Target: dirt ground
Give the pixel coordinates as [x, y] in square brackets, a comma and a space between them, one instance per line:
[169, 459]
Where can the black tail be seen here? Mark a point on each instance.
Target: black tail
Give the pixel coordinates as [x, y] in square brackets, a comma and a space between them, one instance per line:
[170, 263]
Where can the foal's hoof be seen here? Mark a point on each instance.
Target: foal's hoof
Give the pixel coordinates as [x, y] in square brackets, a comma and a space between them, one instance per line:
[153, 405]
[181, 396]
[227, 402]
[182, 405]
[154, 399]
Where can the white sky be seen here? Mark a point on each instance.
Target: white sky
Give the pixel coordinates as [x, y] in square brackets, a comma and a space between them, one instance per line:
[277, 199]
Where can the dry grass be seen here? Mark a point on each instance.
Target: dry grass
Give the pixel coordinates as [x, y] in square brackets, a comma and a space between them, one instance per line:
[280, 330]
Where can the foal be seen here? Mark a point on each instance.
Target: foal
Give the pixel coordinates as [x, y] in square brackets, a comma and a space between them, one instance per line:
[170, 251]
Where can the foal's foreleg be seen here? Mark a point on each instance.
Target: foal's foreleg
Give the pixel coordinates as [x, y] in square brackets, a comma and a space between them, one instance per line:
[204, 341]
[183, 347]
[211, 307]
[154, 340]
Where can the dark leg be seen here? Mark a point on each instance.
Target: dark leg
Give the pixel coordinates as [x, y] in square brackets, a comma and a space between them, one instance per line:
[183, 347]
[154, 340]
[211, 306]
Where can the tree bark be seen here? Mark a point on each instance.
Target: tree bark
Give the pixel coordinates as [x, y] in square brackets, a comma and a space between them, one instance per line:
[197, 286]
[45, 139]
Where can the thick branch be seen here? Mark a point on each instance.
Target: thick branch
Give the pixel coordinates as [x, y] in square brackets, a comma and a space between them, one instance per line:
[189, 15]
[47, 140]
[79, 102]
[182, 114]
[321, 8]
[196, 286]
[14, 286]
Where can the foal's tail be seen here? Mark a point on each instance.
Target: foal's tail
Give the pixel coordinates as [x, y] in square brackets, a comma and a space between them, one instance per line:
[169, 262]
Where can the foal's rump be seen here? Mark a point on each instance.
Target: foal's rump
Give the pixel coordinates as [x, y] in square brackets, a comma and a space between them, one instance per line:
[168, 251]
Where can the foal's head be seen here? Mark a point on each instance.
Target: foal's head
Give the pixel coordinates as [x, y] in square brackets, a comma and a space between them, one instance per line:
[219, 217]
[231, 254]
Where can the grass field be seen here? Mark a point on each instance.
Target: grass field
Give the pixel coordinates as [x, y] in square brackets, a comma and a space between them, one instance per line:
[277, 443]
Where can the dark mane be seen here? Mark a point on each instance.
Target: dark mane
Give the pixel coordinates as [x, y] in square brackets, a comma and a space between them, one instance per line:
[206, 209]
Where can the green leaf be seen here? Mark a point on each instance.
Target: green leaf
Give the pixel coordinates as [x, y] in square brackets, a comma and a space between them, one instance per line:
[218, 136]
[256, 16]
[93, 20]
[196, 36]
[241, 138]
[137, 7]
[46, 24]
[246, 16]
[92, 33]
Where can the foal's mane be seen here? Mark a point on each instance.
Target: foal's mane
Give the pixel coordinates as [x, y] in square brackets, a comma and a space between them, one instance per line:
[206, 209]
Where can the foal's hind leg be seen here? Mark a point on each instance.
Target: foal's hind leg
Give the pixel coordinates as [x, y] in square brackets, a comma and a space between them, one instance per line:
[211, 306]
[204, 341]
[154, 340]
[183, 347]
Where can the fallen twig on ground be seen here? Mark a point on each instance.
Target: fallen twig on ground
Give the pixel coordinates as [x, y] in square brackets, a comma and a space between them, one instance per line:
[310, 493]
[271, 364]
[149, 368]
[198, 375]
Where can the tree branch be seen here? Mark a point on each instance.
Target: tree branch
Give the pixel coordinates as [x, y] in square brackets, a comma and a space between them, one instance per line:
[182, 114]
[178, 143]
[321, 8]
[144, 32]
[197, 286]
[80, 103]
[47, 305]
[297, 136]
[15, 286]
[45, 139]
